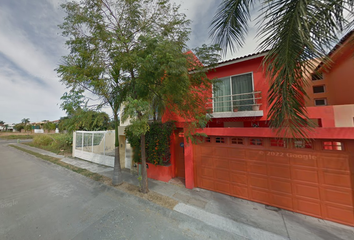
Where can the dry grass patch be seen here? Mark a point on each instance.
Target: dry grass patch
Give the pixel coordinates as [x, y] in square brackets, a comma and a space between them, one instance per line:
[154, 197]
[12, 136]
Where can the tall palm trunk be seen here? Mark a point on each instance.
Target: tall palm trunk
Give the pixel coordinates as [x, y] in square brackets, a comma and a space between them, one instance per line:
[117, 178]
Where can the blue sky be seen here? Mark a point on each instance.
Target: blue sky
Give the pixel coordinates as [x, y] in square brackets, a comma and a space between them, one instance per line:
[31, 47]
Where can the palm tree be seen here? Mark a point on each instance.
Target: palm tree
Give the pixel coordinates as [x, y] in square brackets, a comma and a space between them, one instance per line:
[25, 121]
[294, 31]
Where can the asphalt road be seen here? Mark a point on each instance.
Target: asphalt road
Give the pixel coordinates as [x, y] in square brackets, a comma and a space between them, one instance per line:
[39, 200]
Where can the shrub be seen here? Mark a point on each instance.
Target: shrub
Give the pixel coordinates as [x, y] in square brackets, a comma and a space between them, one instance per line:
[63, 141]
[157, 143]
[55, 142]
[42, 140]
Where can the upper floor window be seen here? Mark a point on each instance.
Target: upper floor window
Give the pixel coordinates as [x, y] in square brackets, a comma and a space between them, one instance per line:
[320, 102]
[316, 76]
[234, 93]
[318, 89]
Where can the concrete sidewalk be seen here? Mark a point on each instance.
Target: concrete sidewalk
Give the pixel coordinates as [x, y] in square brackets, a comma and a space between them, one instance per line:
[237, 216]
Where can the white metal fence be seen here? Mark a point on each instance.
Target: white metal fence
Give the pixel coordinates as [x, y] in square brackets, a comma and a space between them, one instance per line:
[97, 147]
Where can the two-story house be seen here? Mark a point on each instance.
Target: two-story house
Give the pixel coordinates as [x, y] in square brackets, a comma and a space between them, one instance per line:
[242, 156]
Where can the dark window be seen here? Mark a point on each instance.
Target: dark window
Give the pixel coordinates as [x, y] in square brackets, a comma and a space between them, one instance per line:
[220, 140]
[256, 141]
[319, 89]
[207, 139]
[317, 76]
[237, 141]
[332, 145]
[320, 102]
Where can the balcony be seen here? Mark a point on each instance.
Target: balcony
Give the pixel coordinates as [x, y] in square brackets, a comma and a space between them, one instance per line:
[236, 105]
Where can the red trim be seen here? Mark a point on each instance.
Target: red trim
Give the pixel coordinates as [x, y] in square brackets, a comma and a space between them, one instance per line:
[188, 164]
[317, 133]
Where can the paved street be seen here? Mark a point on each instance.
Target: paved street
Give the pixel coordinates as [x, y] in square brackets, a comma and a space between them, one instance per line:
[39, 200]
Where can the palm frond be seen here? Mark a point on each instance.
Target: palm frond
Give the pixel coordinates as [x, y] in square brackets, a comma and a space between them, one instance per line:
[230, 24]
[295, 31]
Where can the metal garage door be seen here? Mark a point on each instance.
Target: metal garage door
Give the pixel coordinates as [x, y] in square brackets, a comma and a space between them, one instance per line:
[304, 179]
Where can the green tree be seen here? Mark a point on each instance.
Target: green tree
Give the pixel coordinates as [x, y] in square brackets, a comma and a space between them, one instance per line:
[113, 43]
[79, 116]
[293, 31]
[28, 127]
[50, 126]
[168, 78]
[19, 126]
[25, 121]
[101, 35]
[2, 122]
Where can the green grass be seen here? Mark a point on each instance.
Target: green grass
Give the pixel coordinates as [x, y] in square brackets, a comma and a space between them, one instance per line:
[11, 137]
[56, 143]
[82, 171]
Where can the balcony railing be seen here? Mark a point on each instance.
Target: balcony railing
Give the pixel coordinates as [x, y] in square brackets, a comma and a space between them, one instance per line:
[236, 105]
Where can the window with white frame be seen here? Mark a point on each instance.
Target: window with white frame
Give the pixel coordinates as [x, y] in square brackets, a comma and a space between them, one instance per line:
[320, 102]
[234, 93]
[318, 89]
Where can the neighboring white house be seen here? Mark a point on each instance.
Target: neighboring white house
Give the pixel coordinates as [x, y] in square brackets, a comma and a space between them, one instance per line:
[94, 146]
[10, 127]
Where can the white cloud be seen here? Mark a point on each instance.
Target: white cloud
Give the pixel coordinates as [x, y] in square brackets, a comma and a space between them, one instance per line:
[201, 13]
[31, 48]
[15, 46]
[21, 98]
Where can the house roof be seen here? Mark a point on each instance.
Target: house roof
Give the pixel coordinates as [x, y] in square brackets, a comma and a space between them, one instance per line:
[243, 58]
[336, 47]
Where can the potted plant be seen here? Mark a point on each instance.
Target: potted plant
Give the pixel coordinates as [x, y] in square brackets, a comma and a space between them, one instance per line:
[256, 107]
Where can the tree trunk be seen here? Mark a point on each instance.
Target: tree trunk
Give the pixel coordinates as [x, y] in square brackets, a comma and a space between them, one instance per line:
[144, 182]
[117, 178]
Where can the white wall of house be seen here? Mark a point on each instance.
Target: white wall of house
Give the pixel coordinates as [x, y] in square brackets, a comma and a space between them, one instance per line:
[101, 153]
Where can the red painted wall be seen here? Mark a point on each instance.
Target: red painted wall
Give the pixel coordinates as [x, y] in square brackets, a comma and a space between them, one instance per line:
[324, 115]
[254, 66]
[161, 173]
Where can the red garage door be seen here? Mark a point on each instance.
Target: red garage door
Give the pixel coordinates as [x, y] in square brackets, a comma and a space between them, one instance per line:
[314, 179]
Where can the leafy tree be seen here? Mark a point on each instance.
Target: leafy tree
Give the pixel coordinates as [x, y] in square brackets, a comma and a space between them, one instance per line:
[79, 116]
[73, 101]
[293, 31]
[85, 120]
[2, 122]
[168, 78]
[101, 35]
[112, 46]
[19, 127]
[50, 126]
[28, 127]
